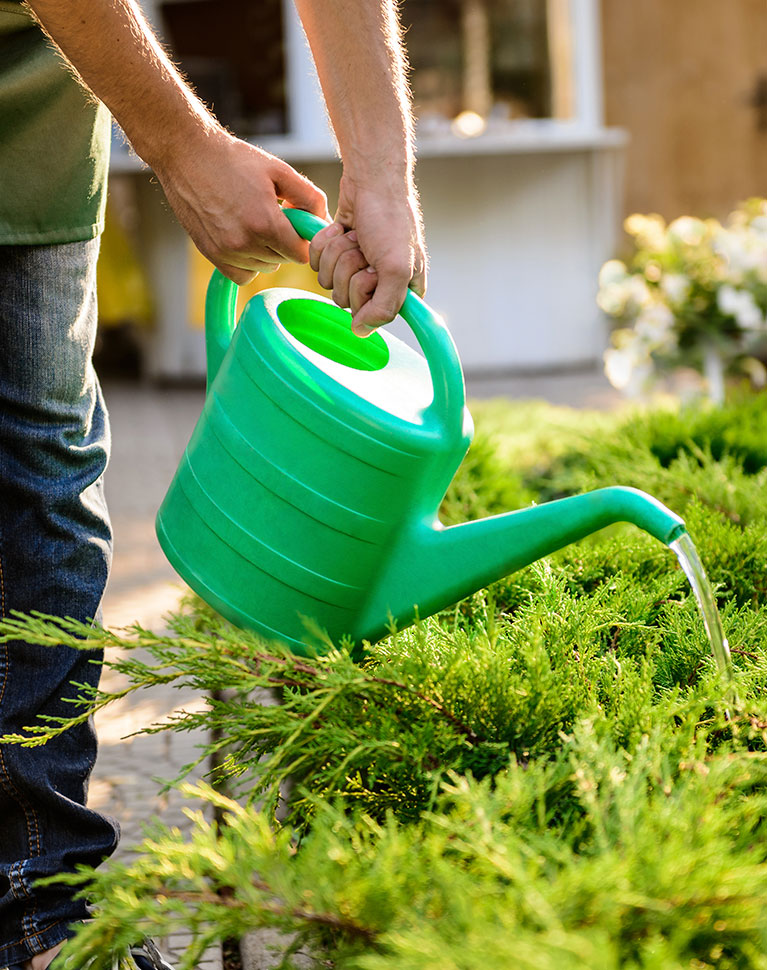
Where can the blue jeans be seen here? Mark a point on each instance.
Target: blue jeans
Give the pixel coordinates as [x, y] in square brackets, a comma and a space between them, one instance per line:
[55, 552]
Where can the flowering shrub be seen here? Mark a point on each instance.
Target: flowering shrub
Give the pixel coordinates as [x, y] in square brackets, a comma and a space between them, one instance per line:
[693, 294]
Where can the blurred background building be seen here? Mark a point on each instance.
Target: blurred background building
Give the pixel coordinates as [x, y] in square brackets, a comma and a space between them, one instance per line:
[688, 81]
[541, 123]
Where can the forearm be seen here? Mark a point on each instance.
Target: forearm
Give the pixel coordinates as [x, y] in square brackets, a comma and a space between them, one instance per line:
[374, 249]
[362, 69]
[117, 56]
[225, 193]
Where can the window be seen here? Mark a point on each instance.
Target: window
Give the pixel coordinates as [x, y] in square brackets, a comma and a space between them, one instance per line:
[493, 61]
[499, 59]
[232, 52]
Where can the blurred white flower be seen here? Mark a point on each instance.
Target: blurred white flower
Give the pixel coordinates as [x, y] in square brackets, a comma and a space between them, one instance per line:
[653, 271]
[741, 305]
[675, 287]
[655, 323]
[628, 364]
[632, 380]
[755, 370]
[639, 292]
[727, 300]
[612, 299]
[649, 231]
[759, 224]
[687, 230]
[618, 367]
[743, 251]
[613, 271]
[626, 295]
[690, 285]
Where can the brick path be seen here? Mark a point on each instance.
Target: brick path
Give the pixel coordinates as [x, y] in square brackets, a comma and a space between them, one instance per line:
[150, 429]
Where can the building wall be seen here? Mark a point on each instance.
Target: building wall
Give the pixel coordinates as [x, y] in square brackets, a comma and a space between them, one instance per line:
[688, 80]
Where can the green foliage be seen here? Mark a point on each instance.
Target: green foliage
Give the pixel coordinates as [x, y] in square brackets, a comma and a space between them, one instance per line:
[544, 776]
[660, 863]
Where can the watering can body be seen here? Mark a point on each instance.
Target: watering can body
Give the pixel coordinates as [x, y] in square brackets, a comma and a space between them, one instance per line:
[307, 497]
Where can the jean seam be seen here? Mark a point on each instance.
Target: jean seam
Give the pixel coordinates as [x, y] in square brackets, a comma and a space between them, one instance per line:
[31, 820]
[2, 598]
[34, 934]
[15, 876]
[33, 827]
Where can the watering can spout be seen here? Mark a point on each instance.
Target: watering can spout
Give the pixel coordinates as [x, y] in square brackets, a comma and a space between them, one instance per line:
[435, 566]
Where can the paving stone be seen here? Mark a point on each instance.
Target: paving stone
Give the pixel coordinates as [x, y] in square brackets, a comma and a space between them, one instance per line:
[150, 429]
[264, 950]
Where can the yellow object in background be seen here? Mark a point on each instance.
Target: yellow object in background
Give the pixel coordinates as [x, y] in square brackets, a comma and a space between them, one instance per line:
[123, 289]
[298, 275]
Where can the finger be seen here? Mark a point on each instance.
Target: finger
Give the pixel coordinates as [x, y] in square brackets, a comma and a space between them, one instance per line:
[349, 263]
[299, 192]
[284, 243]
[236, 275]
[244, 274]
[330, 255]
[361, 289]
[320, 241]
[418, 282]
[253, 245]
[251, 264]
[386, 300]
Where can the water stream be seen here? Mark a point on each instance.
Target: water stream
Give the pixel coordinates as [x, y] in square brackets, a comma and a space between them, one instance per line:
[690, 562]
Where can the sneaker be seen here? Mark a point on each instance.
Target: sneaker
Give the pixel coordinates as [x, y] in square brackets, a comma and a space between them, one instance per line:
[142, 956]
[146, 956]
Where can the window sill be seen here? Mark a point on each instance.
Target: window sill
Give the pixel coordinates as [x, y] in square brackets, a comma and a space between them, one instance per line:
[522, 137]
[510, 138]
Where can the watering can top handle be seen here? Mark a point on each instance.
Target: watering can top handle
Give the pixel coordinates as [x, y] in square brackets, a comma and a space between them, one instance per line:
[430, 331]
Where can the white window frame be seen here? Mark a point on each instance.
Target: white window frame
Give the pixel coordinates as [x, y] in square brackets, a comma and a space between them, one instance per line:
[309, 132]
[587, 63]
[307, 118]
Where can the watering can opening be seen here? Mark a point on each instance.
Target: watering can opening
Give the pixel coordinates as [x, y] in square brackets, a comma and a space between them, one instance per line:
[310, 340]
[326, 329]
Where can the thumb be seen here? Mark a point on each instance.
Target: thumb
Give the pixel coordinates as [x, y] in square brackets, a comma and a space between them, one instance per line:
[299, 192]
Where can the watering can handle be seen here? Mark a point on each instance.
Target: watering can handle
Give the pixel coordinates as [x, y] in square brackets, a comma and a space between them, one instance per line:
[433, 336]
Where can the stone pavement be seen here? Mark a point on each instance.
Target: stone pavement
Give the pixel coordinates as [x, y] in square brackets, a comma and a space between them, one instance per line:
[150, 428]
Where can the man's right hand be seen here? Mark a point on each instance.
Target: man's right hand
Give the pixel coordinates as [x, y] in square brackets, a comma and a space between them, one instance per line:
[227, 196]
[373, 252]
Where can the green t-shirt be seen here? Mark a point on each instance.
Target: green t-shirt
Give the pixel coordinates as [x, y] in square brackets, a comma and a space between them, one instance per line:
[54, 141]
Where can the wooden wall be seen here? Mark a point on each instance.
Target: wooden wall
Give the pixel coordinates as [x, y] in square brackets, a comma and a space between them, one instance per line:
[688, 79]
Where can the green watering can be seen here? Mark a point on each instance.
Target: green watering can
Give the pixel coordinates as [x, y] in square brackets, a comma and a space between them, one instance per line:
[310, 487]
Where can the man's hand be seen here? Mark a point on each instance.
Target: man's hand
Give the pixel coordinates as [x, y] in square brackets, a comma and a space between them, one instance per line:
[227, 197]
[375, 249]
[225, 192]
[371, 254]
